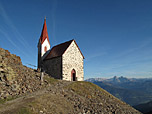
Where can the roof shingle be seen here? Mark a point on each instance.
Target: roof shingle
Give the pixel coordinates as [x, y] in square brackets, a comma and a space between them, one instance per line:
[59, 50]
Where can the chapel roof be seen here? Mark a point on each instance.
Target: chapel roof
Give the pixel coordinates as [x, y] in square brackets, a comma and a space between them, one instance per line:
[44, 33]
[59, 50]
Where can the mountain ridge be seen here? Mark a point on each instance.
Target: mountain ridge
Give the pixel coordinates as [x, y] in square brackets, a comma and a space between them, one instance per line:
[139, 90]
[117, 78]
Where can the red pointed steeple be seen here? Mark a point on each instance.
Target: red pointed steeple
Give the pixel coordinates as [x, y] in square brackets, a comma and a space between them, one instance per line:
[44, 33]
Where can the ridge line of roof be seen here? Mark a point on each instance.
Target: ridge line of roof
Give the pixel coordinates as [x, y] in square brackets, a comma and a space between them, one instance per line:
[63, 43]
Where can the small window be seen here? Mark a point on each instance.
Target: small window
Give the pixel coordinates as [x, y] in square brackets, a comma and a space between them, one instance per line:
[45, 48]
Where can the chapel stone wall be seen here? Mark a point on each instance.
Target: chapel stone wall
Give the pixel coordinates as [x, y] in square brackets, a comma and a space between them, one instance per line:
[54, 67]
[72, 59]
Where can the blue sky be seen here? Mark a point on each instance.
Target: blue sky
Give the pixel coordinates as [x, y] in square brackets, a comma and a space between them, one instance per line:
[115, 36]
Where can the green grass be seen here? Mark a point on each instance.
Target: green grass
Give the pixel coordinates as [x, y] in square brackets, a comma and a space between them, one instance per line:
[90, 90]
[2, 101]
[54, 104]
[85, 88]
[50, 80]
[23, 110]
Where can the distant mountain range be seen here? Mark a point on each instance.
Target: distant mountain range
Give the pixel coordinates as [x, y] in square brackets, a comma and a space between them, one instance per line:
[133, 91]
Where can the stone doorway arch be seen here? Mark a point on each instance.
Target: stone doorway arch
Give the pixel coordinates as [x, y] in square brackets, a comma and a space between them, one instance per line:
[73, 75]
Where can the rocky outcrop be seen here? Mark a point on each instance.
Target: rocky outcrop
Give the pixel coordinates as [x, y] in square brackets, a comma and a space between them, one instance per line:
[16, 79]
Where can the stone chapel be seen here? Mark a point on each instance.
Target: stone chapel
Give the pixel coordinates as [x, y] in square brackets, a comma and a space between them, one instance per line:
[63, 61]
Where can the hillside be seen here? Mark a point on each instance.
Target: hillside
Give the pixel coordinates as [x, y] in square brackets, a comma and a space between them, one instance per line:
[21, 92]
[130, 90]
[144, 108]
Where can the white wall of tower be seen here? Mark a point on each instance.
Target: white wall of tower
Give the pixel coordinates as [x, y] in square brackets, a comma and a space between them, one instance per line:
[47, 44]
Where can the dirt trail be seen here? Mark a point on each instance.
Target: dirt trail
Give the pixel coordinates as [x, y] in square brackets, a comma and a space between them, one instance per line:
[22, 100]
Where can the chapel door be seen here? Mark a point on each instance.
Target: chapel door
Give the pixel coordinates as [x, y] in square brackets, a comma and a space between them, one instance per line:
[73, 75]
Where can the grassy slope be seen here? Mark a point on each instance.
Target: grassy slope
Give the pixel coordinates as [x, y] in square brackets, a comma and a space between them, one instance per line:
[54, 102]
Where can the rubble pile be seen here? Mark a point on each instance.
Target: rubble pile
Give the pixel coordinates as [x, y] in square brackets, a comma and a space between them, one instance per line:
[15, 78]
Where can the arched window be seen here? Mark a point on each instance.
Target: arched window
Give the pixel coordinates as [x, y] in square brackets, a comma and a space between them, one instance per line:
[73, 75]
[45, 49]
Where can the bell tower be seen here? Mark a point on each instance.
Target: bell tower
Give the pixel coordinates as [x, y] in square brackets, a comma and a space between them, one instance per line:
[43, 44]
